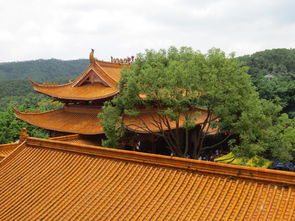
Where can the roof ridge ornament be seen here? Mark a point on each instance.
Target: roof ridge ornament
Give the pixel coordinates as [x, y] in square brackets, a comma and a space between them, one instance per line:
[127, 60]
[91, 57]
[23, 135]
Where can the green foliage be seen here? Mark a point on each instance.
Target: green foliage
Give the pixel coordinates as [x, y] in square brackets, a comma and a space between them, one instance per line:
[10, 128]
[273, 73]
[17, 92]
[110, 120]
[42, 70]
[269, 134]
[171, 81]
[275, 62]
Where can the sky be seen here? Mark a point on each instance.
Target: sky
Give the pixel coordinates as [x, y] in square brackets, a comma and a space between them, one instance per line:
[68, 29]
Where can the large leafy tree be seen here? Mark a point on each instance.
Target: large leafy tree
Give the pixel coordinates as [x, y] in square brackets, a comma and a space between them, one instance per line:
[266, 133]
[173, 83]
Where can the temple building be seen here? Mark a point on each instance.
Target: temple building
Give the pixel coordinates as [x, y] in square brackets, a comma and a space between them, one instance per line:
[72, 178]
[83, 99]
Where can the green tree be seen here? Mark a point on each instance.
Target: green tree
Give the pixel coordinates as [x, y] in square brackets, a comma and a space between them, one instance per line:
[10, 128]
[171, 82]
[266, 133]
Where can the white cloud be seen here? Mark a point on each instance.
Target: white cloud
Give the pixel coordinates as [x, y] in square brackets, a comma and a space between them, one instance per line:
[67, 29]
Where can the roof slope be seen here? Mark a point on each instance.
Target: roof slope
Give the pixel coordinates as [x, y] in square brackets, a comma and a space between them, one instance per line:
[71, 119]
[78, 139]
[53, 180]
[6, 149]
[107, 76]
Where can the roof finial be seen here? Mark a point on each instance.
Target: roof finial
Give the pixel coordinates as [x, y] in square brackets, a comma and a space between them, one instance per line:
[91, 56]
[23, 135]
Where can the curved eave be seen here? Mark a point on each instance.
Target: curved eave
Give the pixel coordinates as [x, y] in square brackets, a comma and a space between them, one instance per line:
[69, 120]
[51, 90]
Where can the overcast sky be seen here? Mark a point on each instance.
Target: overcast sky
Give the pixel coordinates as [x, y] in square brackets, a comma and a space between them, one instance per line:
[68, 29]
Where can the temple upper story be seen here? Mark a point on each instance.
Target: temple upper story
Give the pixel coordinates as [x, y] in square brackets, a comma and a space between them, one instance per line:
[98, 81]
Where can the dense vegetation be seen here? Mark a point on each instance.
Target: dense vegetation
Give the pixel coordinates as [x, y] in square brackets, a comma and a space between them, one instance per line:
[16, 91]
[171, 80]
[42, 70]
[271, 71]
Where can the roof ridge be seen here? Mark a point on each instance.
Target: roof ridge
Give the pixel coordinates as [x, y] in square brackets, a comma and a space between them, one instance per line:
[36, 85]
[111, 64]
[13, 153]
[167, 161]
[65, 137]
[4, 146]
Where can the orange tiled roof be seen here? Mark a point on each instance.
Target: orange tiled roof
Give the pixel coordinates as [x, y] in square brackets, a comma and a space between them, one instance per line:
[108, 73]
[53, 180]
[78, 139]
[83, 120]
[6, 149]
[71, 119]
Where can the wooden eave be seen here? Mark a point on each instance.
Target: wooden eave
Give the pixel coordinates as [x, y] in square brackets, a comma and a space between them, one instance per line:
[52, 180]
[87, 92]
[70, 119]
[84, 120]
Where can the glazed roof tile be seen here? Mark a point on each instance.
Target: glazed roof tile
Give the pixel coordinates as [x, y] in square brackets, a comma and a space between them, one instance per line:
[6, 149]
[109, 73]
[78, 139]
[53, 180]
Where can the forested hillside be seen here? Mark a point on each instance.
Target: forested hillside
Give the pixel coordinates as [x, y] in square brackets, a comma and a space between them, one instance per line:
[273, 73]
[275, 62]
[42, 70]
[16, 91]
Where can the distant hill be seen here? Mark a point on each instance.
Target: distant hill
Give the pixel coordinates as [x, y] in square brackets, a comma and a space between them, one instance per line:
[42, 70]
[274, 62]
[273, 73]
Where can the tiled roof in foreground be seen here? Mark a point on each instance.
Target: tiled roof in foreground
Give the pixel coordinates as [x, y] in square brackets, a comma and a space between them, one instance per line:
[6, 149]
[78, 139]
[53, 180]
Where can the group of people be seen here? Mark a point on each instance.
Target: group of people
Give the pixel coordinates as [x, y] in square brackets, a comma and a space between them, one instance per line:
[210, 156]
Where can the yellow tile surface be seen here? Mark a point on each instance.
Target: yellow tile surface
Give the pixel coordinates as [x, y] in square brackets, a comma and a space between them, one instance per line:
[52, 180]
